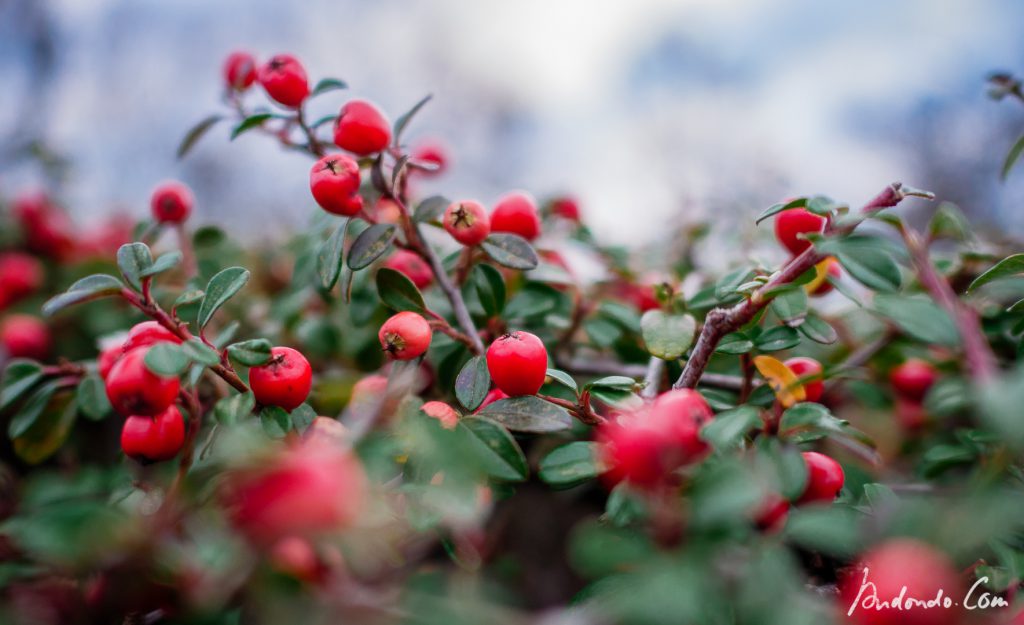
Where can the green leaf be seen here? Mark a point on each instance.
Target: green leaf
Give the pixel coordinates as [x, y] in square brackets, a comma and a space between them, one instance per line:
[774, 209]
[196, 133]
[200, 352]
[233, 409]
[398, 292]
[473, 383]
[571, 464]
[1009, 267]
[167, 359]
[490, 288]
[251, 353]
[950, 223]
[370, 245]
[162, 264]
[528, 414]
[613, 383]
[85, 290]
[219, 290]
[920, 317]
[667, 336]
[276, 421]
[831, 530]
[403, 120]
[327, 84]
[777, 338]
[866, 258]
[728, 428]
[814, 419]
[603, 332]
[791, 306]
[510, 250]
[323, 120]
[1011, 158]
[253, 121]
[564, 379]
[302, 417]
[34, 406]
[734, 343]
[498, 453]
[818, 330]
[189, 297]
[49, 430]
[91, 398]
[132, 260]
[431, 209]
[330, 257]
[19, 378]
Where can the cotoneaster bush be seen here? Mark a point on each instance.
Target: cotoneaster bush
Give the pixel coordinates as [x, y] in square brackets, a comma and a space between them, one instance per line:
[414, 411]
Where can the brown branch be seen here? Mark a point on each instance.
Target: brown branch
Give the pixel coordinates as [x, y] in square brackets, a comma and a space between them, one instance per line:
[652, 377]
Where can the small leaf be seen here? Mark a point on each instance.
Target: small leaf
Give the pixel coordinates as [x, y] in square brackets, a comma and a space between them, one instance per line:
[818, 330]
[528, 414]
[920, 317]
[162, 264]
[219, 290]
[1009, 267]
[490, 288]
[233, 409]
[302, 417]
[249, 123]
[571, 464]
[431, 209]
[498, 453]
[1011, 158]
[791, 307]
[868, 259]
[613, 383]
[276, 421]
[189, 297]
[403, 120]
[564, 379]
[510, 250]
[91, 398]
[19, 378]
[168, 359]
[370, 245]
[196, 133]
[132, 260]
[34, 406]
[949, 222]
[200, 352]
[49, 430]
[472, 383]
[667, 336]
[777, 338]
[327, 84]
[734, 343]
[330, 257]
[728, 428]
[251, 353]
[396, 173]
[774, 209]
[85, 290]
[397, 291]
[323, 120]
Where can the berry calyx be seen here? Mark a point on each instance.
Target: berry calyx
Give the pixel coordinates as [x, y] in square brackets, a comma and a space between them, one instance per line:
[405, 336]
[239, 70]
[148, 333]
[134, 390]
[789, 224]
[361, 128]
[25, 336]
[825, 478]
[284, 381]
[518, 363]
[152, 439]
[414, 267]
[516, 213]
[284, 79]
[334, 181]
[808, 371]
[467, 222]
[442, 412]
[171, 202]
[912, 379]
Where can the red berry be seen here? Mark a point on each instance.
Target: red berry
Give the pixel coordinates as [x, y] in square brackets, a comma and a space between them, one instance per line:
[21, 275]
[284, 79]
[834, 272]
[516, 213]
[681, 414]
[518, 363]
[148, 333]
[327, 430]
[492, 396]
[414, 267]
[285, 381]
[433, 153]
[442, 412]
[808, 370]
[405, 336]
[796, 221]
[906, 568]
[387, 211]
[334, 181]
[771, 513]
[295, 557]
[25, 336]
[361, 128]
[135, 390]
[47, 229]
[171, 202]
[152, 439]
[239, 70]
[910, 413]
[467, 222]
[913, 378]
[107, 358]
[824, 478]
[566, 208]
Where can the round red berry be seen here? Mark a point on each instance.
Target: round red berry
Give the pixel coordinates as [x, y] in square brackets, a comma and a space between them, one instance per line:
[824, 478]
[442, 412]
[361, 128]
[518, 363]
[284, 79]
[566, 208]
[148, 333]
[152, 439]
[107, 358]
[285, 381]
[910, 413]
[414, 267]
[796, 221]
[467, 222]
[171, 202]
[239, 70]
[516, 213]
[25, 336]
[492, 396]
[295, 557]
[808, 371]
[912, 379]
[405, 336]
[334, 181]
[134, 390]
[834, 273]
[47, 228]
[21, 275]
[433, 154]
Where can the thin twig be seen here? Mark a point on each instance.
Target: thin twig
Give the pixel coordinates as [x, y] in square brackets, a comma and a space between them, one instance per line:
[652, 377]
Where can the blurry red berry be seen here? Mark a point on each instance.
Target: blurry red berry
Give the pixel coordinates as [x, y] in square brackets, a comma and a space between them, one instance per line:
[913, 378]
[824, 478]
[334, 181]
[771, 513]
[433, 153]
[25, 336]
[808, 370]
[171, 202]
[296, 558]
[566, 208]
[516, 213]
[148, 333]
[107, 358]
[239, 70]
[442, 412]
[46, 228]
[414, 267]
[467, 222]
[910, 413]
[518, 363]
[796, 221]
[361, 128]
[386, 211]
[21, 275]
[285, 381]
[492, 396]
[405, 336]
[134, 390]
[152, 439]
[327, 430]
[284, 79]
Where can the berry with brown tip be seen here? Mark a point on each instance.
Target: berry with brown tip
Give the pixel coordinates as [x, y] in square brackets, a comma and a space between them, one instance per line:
[467, 222]
[405, 336]
[334, 182]
[284, 381]
[284, 79]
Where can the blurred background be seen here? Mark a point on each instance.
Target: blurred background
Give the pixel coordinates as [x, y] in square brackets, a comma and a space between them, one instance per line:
[648, 110]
